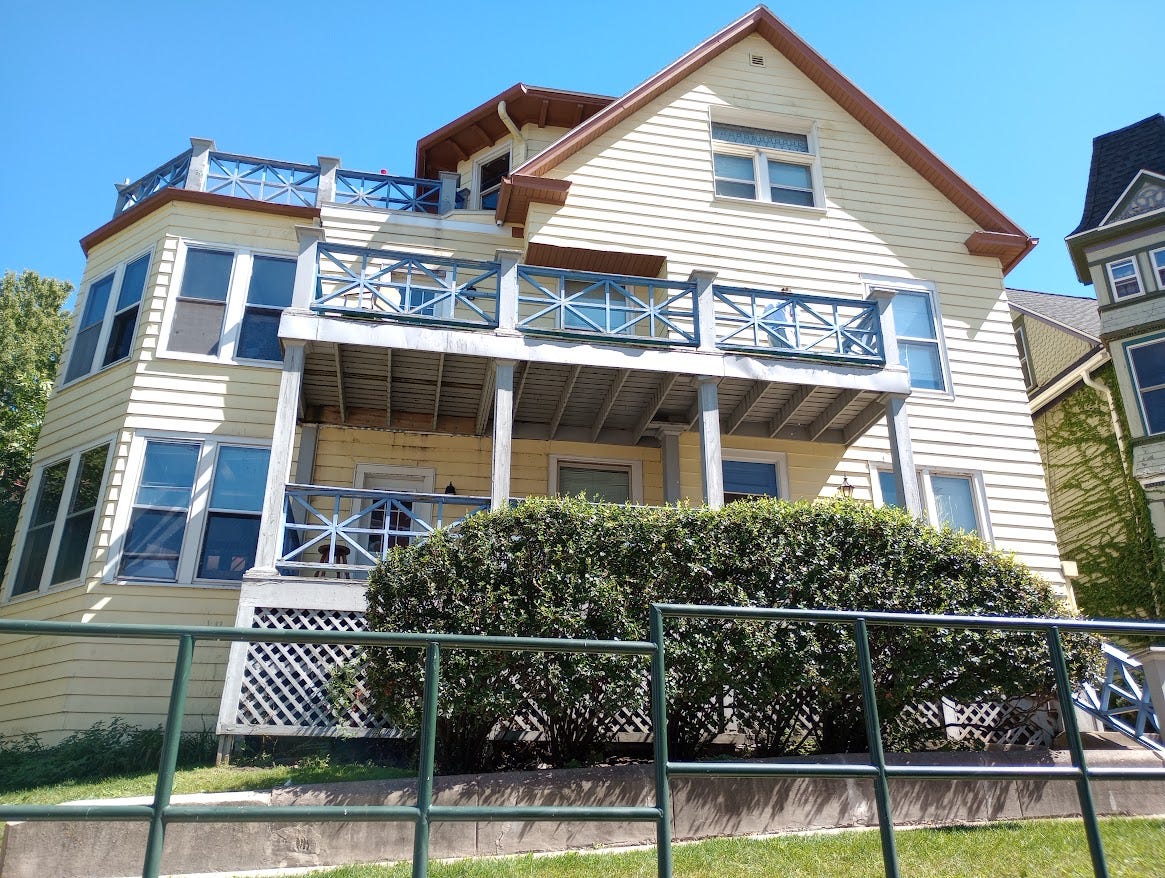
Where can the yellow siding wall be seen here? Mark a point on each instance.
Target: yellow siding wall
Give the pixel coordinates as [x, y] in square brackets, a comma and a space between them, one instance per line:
[1051, 350]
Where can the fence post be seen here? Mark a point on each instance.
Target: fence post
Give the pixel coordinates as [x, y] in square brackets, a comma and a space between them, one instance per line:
[425, 761]
[663, 856]
[877, 757]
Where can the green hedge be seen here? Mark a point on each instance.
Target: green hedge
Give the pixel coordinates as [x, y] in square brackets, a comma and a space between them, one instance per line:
[553, 567]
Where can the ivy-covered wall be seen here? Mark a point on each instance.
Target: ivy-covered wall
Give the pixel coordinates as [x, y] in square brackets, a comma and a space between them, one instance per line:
[1101, 514]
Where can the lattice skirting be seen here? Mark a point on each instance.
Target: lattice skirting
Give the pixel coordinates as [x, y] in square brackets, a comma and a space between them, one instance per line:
[283, 689]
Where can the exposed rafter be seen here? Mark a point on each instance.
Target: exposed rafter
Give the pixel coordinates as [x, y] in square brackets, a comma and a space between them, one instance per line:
[653, 406]
[744, 408]
[563, 399]
[437, 390]
[832, 411]
[340, 382]
[485, 406]
[617, 382]
[865, 419]
[520, 388]
[789, 410]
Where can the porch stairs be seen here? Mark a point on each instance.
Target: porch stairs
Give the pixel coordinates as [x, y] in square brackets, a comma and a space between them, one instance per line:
[1122, 706]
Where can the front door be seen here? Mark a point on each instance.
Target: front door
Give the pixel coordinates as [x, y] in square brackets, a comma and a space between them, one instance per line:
[403, 517]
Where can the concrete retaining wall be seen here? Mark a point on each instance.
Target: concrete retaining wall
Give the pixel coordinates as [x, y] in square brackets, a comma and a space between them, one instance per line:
[701, 808]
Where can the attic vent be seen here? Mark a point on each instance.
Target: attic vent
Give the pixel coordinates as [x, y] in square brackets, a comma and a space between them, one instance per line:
[756, 60]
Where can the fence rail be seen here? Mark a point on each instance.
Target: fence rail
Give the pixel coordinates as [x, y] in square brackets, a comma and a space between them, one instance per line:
[170, 175]
[387, 192]
[160, 812]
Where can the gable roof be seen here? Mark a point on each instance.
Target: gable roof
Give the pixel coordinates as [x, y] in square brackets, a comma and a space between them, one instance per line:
[1000, 236]
[1117, 158]
[1075, 313]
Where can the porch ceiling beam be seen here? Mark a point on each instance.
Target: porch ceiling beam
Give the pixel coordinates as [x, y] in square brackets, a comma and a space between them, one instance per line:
[437, 390]
[825, 420]
[485, 406]
[653, 406]
[609, 401]
[789, 410]
[745, 406]
[339, 358]
[388, 388]
[563, 399]
[520, 389]
[865, 419]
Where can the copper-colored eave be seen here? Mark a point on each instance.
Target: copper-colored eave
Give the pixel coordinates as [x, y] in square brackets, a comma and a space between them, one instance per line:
[167, 196]
[855, 101]
[519, 190]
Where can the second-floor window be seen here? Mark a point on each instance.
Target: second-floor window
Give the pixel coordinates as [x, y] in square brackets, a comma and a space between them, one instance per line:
[920, 347]
[488, 176]
[109, 319]
[1147, 365]
[1158, 257]
[1125, 278]
[229, 303]
[1025, 360]
[760, 164]
[950, 499]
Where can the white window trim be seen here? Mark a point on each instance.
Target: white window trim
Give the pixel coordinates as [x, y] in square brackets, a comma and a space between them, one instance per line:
[1027, 370]
[30, 495]
[1112, 280]
[910, 285]
[632, 465]
[923, 474]
[779, 458]
[1136, 382]
[484, 159]
[118, 273]
[426, 475]
[196, 515]
[234, 308]
[1157, 264]
[760, 155]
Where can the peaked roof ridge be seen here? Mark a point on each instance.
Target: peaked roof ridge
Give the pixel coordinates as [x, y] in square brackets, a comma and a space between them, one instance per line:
[1012, 242]
[1117, 158]
[1076, 314]
[1087, 295]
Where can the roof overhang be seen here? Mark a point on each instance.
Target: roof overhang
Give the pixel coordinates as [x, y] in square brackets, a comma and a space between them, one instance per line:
[604, 261]
[1082, 241]
[482, 126]
[851, 98]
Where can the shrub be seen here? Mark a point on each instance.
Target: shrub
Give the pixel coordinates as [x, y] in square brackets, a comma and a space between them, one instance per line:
[570, 568]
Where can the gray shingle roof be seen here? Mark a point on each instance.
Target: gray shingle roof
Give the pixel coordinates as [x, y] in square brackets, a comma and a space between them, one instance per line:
[1117, 158]
[1075, 312]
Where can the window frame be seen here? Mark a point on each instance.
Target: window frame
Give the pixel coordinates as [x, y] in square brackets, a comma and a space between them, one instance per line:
[779, 459]
[1025, 357]
[909, 285]
[762, 155]
[45, 585]
[97, 362]
[491, 155]
[1157, 263]
[1112, 282]
[924, 474]
[234, 306]
[633, 466]
[197, 514]
[1128, 347]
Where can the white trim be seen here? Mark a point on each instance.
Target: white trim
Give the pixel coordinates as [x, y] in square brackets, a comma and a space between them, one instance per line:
[633, 466]
[485, 158]
[1133, 184]
[1158, 269]
[761, 155]
[426, 475]
[910, 285]
[924, 474]
[778, 458]
[1127, 349]
[1112, 282]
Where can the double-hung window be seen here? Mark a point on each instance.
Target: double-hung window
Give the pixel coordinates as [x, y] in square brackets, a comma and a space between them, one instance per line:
[1125, 278]
[488, 176]
[1158, 259]
[196, 511]
[920, 347]
[760, 164]
[950, 499]
[56, 542]
[1025, 359]
[229, 303]
[606, 480]
[1147, 366]
[105, 332]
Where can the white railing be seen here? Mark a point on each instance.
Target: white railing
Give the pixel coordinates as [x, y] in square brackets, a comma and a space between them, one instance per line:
[1123, 700]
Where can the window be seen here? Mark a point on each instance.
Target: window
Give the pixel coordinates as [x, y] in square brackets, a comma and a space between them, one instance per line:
[919, 348]
[613, 481]
[765, 165]
[950, 499]
[173, 516]
[1025, 365]
[489, 173]
[1147, 365]
[229, 303]
[747, 479]
[1125, 278]
[105, 331]
[56, 542]
[1158, 257]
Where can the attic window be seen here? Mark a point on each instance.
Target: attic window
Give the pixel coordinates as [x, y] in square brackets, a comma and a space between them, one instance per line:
[756, 60]
[766, 164]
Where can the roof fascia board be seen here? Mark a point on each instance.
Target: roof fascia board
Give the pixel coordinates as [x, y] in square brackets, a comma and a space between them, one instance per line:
[1080, 241]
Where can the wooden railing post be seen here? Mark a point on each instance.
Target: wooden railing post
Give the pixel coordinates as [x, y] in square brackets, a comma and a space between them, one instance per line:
[508, 290]
[200, 150]
[705, 309]
[447, 201]
[326, 190]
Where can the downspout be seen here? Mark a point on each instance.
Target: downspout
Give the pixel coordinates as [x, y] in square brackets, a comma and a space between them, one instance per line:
[1100, 388]
[518, 152]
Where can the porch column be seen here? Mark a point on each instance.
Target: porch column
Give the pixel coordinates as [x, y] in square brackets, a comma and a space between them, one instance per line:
[710, 456]
[508, 290]
[304, 290]
[902, 456]
[669, 439]
[279, 467]
[503, 434]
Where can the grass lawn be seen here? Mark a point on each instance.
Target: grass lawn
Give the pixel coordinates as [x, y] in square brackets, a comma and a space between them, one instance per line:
[1135, 848]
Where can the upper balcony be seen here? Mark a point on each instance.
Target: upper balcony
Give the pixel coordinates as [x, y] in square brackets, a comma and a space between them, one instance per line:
[204, 169]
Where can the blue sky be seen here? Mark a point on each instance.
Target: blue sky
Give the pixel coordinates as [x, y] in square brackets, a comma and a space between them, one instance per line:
[1009, 94]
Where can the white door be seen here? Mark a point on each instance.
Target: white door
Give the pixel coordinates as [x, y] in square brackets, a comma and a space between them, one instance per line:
[403, 517]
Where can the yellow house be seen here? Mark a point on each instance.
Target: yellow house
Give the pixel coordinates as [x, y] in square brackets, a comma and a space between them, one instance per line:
[741, 277]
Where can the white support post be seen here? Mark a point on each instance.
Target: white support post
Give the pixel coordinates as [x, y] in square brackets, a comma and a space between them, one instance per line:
[279, 467]
[447, 200]
[305, 462]
[326, 190]
[669, 439]
[200, 150]
[503, 434]
[1152, 659]
[508, 290]
[885, 299]
[705, 309]
[902, 456]
[305, 266]
[710, 456]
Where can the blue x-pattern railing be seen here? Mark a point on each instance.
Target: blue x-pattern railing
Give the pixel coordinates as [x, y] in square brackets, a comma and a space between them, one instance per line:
[168, 176]
[369, 282]
[262, 180]
[1123, 702]
[797, 325]
[387, 192]
[644, 310]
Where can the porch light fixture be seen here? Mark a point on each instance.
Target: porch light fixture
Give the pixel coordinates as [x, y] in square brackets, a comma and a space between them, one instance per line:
[449, 489]
[846, 489]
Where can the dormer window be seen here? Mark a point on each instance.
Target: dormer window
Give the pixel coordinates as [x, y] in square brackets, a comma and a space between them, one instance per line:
[766, 164]
[488, 174]
[1125, 279]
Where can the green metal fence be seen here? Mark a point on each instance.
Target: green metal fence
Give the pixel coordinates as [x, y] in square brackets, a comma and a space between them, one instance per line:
[161, 813]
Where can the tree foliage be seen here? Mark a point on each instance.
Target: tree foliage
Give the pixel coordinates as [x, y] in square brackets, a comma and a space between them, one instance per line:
[33, 328]
[569, 568]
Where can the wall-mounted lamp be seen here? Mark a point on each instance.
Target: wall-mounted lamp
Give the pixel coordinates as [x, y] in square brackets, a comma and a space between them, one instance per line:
[449, 489]
[846, 489]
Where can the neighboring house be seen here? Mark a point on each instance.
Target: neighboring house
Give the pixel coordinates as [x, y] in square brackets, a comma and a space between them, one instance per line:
[742, 277]
[1101, 514]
